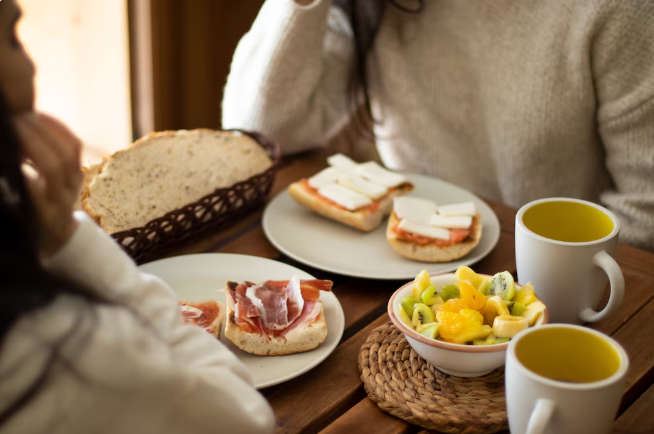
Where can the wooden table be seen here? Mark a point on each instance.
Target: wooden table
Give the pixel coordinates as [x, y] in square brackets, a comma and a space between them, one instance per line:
[330, 398]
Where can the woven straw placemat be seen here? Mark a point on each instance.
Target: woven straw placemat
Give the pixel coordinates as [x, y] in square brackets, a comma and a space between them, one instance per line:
[408, 387]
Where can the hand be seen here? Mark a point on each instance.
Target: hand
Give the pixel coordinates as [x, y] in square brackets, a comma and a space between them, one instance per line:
[55, 178]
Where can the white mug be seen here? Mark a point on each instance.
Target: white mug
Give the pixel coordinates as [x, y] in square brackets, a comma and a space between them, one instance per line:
[563, 379]
[564, 247]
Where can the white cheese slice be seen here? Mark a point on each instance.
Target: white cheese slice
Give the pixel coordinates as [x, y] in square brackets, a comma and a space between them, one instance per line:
[415, 209]
[326, 176]
[342, 161]
[360, 185]
[344, 196]
[425, 230]
[465, 208]
[378, 174]
[451, 222]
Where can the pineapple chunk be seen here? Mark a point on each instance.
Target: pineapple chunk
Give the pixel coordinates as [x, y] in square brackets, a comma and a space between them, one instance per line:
[422, 282]
[468, 334]
[466, 273]
[405, 317]
[533, 312]
[525, 295]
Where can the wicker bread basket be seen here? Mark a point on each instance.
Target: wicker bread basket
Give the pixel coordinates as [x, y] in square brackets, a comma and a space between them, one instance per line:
[209, 214]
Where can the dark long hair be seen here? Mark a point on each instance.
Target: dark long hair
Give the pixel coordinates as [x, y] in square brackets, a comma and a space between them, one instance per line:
[365, 18]
[25, 285]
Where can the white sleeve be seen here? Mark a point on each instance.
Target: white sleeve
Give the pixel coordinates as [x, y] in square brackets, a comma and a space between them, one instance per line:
[116, 373]
[138, 339]
[290, 74]
[94, 261]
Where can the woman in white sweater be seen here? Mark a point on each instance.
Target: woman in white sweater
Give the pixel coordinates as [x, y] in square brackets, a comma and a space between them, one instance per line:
[512, 100]
[88, 344]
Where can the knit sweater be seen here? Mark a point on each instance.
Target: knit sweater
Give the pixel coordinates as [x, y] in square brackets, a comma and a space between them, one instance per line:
[126, 366]
[513, 100]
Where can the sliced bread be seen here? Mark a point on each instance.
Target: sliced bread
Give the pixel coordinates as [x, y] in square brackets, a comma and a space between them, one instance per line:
[89, 173]
[432, 252]
[167, 170]
[255, 343]
[363, 219]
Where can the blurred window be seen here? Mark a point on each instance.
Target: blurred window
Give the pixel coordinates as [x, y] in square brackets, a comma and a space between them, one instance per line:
[81, 51]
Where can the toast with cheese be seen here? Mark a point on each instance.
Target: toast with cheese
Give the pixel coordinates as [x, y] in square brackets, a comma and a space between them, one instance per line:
[312, 335]
[434, 250]
[366, 219]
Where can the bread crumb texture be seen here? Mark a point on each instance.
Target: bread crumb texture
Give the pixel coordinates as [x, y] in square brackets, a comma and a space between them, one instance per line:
[168, 170]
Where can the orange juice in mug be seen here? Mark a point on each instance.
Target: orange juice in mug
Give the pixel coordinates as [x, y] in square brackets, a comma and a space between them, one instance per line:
[564, 247]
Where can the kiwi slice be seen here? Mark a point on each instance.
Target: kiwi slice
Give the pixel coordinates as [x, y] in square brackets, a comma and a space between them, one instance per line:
[406, 319]
[503, 285]
[485, 285]
[422, 314]
[515, 308]
[430, 296]
[407, 304]
[429, 330]
[449, 292]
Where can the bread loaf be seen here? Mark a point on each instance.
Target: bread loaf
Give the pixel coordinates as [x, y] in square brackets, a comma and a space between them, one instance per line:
[89, 174]
[166, 171]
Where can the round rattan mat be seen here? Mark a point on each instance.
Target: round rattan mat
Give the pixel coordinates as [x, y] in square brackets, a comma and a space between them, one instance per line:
[408, 387]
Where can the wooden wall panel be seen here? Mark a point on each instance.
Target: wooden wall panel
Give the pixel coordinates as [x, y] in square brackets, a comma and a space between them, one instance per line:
[193, 42]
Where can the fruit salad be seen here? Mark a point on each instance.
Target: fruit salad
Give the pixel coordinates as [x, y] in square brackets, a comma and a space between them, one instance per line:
[477, 310]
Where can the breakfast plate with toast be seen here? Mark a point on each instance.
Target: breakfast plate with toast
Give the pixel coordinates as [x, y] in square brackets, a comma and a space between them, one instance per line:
[201, 277]
[328, 236]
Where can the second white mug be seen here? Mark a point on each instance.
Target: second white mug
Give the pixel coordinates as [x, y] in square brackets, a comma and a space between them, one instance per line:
[564, 247]
[563, 379]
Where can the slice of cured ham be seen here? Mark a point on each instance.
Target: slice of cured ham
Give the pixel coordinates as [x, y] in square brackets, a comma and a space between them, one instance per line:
[276, 307]
[206, 314]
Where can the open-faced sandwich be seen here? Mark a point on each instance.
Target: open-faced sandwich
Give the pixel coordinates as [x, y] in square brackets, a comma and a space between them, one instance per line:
[420, 229]
[276, 317]
[206, 314]
[359, 195]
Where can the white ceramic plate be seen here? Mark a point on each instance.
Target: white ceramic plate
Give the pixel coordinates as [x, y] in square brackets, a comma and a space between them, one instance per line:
[328, 245]
[202, 277]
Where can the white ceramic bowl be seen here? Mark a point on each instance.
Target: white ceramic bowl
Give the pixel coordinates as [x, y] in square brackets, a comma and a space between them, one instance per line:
[453, 359]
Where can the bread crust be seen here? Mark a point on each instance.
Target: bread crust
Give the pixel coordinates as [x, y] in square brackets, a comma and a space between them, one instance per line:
[180, 182]
[313, 335]
[432, 252]
[363, 219]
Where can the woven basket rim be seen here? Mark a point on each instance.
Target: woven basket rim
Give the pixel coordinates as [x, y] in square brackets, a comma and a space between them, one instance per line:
[269, 145]
[446, 345]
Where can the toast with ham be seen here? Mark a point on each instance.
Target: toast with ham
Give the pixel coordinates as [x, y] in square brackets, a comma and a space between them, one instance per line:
[366, 218]
[275, 318]
[206, 314]
[426, 249]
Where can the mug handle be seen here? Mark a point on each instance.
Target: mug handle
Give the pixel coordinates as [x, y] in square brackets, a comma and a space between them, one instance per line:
[540, 417]
[611, 268]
